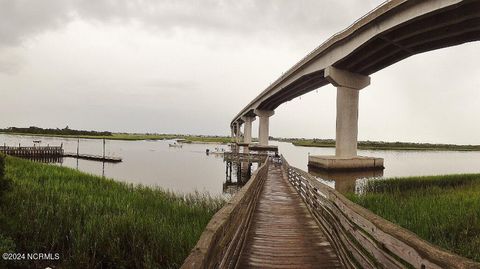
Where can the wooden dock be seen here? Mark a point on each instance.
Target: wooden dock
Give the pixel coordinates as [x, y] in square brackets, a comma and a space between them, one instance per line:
[33, 152]
[107, 159]
[284, 217]
[52, 153]
[282, 232]
[244, 157]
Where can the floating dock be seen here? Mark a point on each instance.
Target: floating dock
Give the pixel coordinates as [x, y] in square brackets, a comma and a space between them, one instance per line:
[107, 159]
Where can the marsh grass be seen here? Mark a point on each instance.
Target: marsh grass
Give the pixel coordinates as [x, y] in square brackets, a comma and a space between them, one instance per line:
[381, 145]
[94, 222]
[444, 210]
[137, 137]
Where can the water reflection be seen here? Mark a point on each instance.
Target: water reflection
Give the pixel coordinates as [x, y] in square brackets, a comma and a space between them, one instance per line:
[150, 163]
[189, 169]
[398, 163]
[237, 174]
[57, 160]
[344, 181]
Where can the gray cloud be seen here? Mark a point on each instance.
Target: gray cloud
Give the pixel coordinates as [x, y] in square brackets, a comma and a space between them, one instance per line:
[10, 62]
[20, 19]
[191, 65]
[265, 21]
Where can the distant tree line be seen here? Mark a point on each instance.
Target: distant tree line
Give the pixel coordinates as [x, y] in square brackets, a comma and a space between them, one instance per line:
[57, 131]
[316, 142]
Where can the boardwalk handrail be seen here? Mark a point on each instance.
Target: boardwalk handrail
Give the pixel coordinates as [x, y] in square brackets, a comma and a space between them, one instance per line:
[363, 239]
[244, 157]
[222, 240]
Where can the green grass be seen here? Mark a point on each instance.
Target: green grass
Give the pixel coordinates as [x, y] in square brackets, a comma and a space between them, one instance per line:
[444, 210]
[136, 137]
[380, 145]
[94, 222]
[208, 139]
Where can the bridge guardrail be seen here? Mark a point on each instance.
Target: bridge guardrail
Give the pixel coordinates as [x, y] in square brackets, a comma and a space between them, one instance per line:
[221, 242]
[363, 239]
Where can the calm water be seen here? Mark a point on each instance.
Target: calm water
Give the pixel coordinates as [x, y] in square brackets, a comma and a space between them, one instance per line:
[151, 163]
[188, 168]
[397, 164]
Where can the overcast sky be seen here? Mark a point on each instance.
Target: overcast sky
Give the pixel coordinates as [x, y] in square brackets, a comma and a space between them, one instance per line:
[186, 66]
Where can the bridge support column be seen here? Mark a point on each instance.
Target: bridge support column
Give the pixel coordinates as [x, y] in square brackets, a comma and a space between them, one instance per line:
[263, 128]
[238, 133]
[348, 86]
[247, 131]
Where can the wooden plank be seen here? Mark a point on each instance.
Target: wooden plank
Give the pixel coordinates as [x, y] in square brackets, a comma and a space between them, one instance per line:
[220, 243]
[283, 234]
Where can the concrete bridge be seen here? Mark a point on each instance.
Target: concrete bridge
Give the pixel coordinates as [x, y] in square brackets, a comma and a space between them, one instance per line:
[390, 33]
[284, 217]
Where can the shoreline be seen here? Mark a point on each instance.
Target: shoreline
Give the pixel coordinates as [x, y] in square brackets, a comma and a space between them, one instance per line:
[392, 147]
[135, 137]
[191, 139]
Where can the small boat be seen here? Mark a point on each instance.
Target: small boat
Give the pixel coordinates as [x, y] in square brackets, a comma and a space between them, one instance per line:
[175, 145]
[37, 141]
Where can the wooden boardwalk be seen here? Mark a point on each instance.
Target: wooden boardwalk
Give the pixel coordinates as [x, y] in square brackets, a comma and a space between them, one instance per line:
[283, 234]
[282, 218]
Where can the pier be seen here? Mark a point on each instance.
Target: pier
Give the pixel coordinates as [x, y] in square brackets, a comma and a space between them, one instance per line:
[284, 217]
[294, 239]
[52, 153]
[33, 152]
[107, 159]
[244, 157]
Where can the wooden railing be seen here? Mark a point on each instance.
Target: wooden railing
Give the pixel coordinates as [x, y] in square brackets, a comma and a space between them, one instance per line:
[363, 239]
[244, 157]
[39, 151]
[222, 241]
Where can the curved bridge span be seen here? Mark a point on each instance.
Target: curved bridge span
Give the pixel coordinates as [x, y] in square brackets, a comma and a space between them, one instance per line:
[390, 33]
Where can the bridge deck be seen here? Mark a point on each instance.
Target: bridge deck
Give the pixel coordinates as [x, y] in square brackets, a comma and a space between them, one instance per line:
[283, 234]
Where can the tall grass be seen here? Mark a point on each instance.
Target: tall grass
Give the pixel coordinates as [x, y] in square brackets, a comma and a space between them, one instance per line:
[136, 137]
[444, 210]
[97, 223]
[381, 145]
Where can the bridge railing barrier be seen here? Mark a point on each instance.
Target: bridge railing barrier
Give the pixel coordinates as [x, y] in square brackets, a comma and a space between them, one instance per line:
[221, 242]
[363, 239]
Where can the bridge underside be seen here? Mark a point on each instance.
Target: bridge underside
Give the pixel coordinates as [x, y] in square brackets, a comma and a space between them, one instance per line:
[394, 31]
[447, 27]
